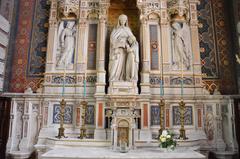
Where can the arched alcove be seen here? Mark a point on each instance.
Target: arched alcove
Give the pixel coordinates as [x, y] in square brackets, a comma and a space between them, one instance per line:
[118, 7]
[128, 7]
[123, 132]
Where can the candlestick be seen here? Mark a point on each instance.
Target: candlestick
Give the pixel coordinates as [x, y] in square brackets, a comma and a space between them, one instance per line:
[161, 122]
[182, 118]
[161, 87]
[182, 79]
[83, 117]
[84, 85]
[61, 128]
[64, 76]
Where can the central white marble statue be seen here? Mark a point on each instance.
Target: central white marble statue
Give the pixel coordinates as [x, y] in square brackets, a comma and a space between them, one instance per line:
[124, 54]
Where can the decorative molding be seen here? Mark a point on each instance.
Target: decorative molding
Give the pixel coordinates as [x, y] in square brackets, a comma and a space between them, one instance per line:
[68, 7]
[188, 115]
[178, 80]
[68, 114]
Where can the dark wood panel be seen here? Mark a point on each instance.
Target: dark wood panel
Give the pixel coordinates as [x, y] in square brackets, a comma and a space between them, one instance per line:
[5, 105]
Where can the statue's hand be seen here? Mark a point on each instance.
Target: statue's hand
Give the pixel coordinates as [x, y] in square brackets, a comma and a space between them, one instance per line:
[238, 58]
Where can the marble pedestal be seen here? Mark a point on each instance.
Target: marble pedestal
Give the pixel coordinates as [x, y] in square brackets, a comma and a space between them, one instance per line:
[122, 88]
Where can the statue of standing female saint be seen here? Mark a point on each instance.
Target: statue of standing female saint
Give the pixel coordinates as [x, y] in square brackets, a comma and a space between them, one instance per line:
[181, 46]
[123, 58]
[67, 42]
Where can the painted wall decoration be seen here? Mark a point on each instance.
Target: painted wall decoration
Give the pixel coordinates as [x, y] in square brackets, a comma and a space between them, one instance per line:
[215, 48]
[90, 115]
[68, 114]
[39, 32]
[30, 45]
[208, 50]
[188, 115]
[155, 115]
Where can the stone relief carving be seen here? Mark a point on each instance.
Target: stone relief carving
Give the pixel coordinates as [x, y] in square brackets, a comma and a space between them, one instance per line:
[155, 79]
[181, 58]
[60, 79]
[66, 34]
[188, 115]
[67, 7]
[209, 123]
[68, 114]
[89, 116]
[123, 50]
[18, 127]
[178, 80]
[179, 7]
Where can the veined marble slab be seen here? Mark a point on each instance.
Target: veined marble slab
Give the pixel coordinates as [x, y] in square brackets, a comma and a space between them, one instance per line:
[107, 153]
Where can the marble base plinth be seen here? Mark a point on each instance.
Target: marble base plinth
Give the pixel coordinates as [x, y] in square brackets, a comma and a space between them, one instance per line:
[100, 134]
[143, 153]
[19, 155]
[122, 87]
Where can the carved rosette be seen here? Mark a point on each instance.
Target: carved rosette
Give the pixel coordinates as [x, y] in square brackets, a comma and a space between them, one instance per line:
[178, 10]
[68, 8]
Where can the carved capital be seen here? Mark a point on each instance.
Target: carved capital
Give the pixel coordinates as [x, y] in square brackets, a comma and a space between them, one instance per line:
[68, 8]
[143, 20]
[178, 9]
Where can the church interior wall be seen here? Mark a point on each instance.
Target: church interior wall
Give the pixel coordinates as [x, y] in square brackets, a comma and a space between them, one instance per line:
[40, 107]
[22, 77]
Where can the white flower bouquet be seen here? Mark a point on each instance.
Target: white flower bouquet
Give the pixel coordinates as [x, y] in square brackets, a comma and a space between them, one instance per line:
[166, 140]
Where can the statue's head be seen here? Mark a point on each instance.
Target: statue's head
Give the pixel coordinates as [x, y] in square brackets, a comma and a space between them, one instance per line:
[122, 20]
[70, 24]
[176, 25]
[131, 39]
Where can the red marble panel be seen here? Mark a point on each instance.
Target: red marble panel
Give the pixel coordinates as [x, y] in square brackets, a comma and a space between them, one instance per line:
[199, 118]
[100, 115]
[167, 118]
[145, 115]
[78, 117]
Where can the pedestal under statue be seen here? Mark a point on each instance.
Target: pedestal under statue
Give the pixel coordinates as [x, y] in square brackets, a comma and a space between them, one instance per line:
[123, 59]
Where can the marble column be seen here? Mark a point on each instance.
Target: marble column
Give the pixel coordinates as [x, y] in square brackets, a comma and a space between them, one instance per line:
[197, 67]
[165, 41]
[17, 126]
[52, 36]
[218, 133]
[101, 72]
[82, 50]
[82, 45]
[145, 42]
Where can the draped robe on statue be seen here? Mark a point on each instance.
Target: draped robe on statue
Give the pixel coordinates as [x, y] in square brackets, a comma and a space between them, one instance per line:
[132, 61]
[118, 53]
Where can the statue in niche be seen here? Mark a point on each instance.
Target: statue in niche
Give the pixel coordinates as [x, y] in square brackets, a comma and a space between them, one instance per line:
[181, 46]
[67, 43]
[132, 59]
[238, 55]
[123, 51]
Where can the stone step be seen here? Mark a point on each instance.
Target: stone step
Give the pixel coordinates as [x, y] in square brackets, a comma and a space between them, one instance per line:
[104, 152]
